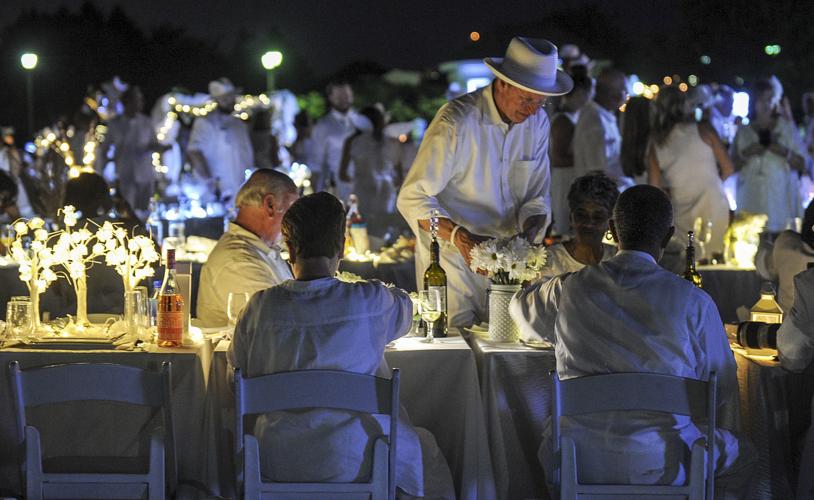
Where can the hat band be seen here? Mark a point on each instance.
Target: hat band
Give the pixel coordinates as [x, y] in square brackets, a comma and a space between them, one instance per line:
[521, 73]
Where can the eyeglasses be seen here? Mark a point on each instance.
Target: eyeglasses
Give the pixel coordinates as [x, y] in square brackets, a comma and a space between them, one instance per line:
[537, 103]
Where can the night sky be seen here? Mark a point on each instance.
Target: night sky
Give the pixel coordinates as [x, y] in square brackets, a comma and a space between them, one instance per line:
[329, 34]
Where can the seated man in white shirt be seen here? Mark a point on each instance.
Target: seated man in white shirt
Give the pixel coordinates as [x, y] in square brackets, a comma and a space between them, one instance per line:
[247, 256]
[627, 314]
[795, 345]
[316, 322]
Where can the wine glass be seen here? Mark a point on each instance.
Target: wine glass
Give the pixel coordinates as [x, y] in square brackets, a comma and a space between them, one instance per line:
[429, 306]
[234, 306]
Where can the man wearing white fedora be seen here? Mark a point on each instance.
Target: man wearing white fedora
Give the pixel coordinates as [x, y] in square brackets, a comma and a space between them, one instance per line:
[219, 145]
[483, 165]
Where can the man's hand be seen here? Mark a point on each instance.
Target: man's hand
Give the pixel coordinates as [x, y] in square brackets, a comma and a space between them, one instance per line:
[533, 226]
[466, 241]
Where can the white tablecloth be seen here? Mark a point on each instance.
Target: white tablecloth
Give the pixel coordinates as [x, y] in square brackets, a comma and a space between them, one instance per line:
[516, 392]
[776, 412]
[67, 429]
[439, 390]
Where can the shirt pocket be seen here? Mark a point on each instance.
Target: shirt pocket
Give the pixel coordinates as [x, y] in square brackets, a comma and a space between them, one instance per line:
[520, 177]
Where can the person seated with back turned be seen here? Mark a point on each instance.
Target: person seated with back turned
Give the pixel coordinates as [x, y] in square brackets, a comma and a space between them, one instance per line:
[590, 202]
[795, 348]
[627, 314]
[316, 322]
[247, 256]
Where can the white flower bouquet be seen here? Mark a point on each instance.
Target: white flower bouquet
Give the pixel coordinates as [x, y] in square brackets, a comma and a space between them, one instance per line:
[508, 261]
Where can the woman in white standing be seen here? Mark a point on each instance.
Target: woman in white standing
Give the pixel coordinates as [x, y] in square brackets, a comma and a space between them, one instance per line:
[689, 161]
[561, 152]
[770, 164]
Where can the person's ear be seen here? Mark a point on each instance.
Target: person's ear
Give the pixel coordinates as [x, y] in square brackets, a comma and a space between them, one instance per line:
[269, 204]
[668, 237]
[612, 227]
[292, 252]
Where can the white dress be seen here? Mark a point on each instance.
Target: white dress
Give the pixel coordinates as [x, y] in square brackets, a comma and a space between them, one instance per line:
[766, 184]
[561, 179]
[690, 173]
[326, 324]
[559, 261]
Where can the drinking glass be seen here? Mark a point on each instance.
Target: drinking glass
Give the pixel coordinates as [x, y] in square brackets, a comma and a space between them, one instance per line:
[6, 238]
[175, 236]
[135, 313]
[234, 306]
[18, 319]
[429, 306]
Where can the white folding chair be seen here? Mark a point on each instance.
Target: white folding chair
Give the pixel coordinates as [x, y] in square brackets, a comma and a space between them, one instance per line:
[80, 477]
[316, 389]
[635, 392]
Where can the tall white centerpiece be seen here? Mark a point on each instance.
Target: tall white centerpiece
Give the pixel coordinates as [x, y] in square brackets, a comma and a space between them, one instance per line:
[130, 255]
[77, 250]
[507, 262]
[36, 261]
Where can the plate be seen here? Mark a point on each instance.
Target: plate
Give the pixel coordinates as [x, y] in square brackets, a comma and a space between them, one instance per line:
[538, 344]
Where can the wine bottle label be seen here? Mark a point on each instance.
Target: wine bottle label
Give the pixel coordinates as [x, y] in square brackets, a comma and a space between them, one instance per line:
[170, 326]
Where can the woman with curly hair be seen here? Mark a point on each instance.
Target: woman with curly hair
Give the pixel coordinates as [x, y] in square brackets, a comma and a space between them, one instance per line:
[684, 159]
[590, 200]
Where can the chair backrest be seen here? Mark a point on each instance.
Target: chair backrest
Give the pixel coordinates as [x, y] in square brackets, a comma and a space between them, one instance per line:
[638, 392]
[96, 382]
[333, 389]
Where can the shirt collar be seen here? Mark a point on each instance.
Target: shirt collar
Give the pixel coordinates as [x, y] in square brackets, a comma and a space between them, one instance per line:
[608, 115]
[344, 118]
[637, 253]
[241, 232]
[490, 113]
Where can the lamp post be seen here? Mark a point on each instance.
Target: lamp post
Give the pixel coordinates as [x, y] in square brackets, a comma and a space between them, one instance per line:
[29, 61]
[271, 60]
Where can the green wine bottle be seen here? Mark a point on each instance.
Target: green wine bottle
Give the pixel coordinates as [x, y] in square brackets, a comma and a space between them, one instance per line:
[435, 278]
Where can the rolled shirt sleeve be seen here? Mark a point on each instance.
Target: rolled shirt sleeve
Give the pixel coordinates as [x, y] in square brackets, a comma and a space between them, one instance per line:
[431, 171]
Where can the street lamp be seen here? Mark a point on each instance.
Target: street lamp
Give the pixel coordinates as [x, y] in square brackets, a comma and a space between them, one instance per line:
[271, 60]
[29, 61]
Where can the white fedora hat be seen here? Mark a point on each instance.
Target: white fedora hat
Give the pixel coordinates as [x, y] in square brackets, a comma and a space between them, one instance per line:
[531, 64]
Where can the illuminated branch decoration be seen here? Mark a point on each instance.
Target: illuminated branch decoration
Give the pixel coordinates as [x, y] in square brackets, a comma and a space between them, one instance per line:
[36, 262]
[130, 256]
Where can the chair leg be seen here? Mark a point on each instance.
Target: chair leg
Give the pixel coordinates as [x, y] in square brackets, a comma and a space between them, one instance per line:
[157, 484]
[251, 467]
[33, 464]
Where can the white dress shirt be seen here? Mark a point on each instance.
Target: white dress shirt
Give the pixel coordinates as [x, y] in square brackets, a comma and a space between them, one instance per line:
[598, 143]
[326, 324]
[240, 262]
[131, 137]
[224, 141]
[795, 339]
[328, 140]
[481, 173]
[628, 314]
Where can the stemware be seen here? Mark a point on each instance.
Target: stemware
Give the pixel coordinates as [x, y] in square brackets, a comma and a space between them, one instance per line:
[234, 306]
[429, 306]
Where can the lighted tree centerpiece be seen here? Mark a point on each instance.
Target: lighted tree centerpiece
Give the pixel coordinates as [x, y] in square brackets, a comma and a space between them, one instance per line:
[36, 261]
[507, 262]
[130, 255]
[77, 250]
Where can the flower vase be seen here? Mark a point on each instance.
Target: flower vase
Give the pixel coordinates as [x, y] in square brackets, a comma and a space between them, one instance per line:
[81, 289]
[501, 325]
